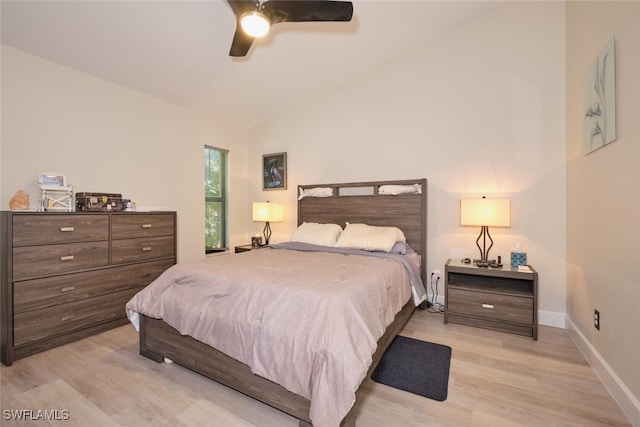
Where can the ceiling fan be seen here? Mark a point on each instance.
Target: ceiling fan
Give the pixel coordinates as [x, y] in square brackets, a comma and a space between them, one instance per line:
[251, 14]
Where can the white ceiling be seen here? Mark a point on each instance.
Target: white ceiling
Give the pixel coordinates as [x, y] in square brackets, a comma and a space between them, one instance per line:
[178, 50]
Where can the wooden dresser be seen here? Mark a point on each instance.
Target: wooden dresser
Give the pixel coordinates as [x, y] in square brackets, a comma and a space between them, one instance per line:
[66, 276]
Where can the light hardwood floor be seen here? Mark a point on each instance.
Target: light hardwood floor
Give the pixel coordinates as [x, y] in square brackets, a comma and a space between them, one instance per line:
[496, 380]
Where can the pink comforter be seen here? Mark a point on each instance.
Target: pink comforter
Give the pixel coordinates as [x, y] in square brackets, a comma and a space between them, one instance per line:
[309, 321]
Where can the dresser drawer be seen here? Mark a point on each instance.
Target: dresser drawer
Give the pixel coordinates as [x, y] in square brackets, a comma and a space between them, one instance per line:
[129, 226]
[491, 306]
[134, 250]
[41, 293]
[36, 325]
[35, 261]
[52, 229]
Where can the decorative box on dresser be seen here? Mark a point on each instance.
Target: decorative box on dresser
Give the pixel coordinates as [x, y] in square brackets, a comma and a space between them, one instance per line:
[68, 275]
[502, 299]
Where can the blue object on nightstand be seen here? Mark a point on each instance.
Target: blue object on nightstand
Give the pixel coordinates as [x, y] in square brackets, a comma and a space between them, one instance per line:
[518, 258]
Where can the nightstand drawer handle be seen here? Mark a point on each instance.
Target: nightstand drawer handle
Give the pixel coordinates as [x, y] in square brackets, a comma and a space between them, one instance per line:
[63, 229]
[67, 289]
[67, 317]
[146, 249]
[489, 306]
[67, 258]
[146, 225]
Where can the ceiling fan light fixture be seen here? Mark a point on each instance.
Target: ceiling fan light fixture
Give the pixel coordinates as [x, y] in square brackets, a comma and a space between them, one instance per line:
[255, 24]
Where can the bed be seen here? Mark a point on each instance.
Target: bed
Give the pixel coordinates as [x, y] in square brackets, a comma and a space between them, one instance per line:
[380, 204]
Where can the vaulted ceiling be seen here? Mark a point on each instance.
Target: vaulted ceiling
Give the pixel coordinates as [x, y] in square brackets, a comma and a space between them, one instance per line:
[178, 50]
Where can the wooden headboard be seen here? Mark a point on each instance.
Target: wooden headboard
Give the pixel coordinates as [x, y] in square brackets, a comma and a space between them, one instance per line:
[359, 202]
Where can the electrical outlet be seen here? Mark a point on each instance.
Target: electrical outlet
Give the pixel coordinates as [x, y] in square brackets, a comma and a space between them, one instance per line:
[596, 319]
[435, 276]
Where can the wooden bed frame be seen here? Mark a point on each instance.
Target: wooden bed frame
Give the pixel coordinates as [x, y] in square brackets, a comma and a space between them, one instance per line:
[352, 202]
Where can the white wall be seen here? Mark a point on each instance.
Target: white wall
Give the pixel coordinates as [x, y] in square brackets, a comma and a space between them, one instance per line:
[603, 202]
[481, 111]
[107, 138]
[478, 112]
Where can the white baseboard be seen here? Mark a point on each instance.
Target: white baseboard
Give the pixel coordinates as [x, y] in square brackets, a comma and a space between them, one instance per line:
[621, 394]
[551, 318]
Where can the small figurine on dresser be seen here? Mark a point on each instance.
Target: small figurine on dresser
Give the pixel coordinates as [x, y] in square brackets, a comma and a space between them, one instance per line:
[19, 201]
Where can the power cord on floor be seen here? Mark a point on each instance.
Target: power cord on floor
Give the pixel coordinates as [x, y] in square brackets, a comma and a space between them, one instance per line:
[434, 306]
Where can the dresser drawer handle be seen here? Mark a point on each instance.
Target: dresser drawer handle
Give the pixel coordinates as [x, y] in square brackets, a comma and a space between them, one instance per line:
[489, 306]
[146, 249]
[67, 289]
[63, 229]
[146, 225]
[67, 258]
[67, 317]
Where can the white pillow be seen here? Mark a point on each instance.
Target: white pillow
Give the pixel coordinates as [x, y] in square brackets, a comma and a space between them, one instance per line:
[315, 192]
[317, 234]
[400, 189]
[370, 238]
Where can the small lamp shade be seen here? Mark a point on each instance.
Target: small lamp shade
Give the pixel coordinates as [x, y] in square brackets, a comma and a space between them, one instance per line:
[268, 212]
[485, 212]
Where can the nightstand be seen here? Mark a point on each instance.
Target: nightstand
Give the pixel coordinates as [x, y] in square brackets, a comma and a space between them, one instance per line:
[503, 299]
[244, 248]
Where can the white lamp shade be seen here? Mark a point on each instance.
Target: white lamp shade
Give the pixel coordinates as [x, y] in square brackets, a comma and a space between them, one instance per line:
[255, 24]
[489, 212]
[268, 212]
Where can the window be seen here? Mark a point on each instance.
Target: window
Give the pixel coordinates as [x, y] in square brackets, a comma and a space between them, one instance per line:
[215, 193]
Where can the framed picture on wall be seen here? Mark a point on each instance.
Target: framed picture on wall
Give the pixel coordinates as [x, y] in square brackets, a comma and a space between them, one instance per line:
[274, 171]
[599, 94]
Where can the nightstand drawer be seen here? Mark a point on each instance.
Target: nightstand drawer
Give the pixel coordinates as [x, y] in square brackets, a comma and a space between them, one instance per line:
[35, 325]
[133, 250]
[31, 262]
[51, 229]
[129, 226]
[37, 294]
[491, 306]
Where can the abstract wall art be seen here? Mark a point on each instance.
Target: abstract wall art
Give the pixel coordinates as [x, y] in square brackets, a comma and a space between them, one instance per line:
[599, 94]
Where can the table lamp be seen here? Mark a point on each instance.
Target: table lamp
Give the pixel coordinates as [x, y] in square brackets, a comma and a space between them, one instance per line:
[267, 212]
[485, 213]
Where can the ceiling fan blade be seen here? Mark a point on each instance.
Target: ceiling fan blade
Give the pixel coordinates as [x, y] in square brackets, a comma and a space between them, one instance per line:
[307, 10]
[241, 42]
[241, 6]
